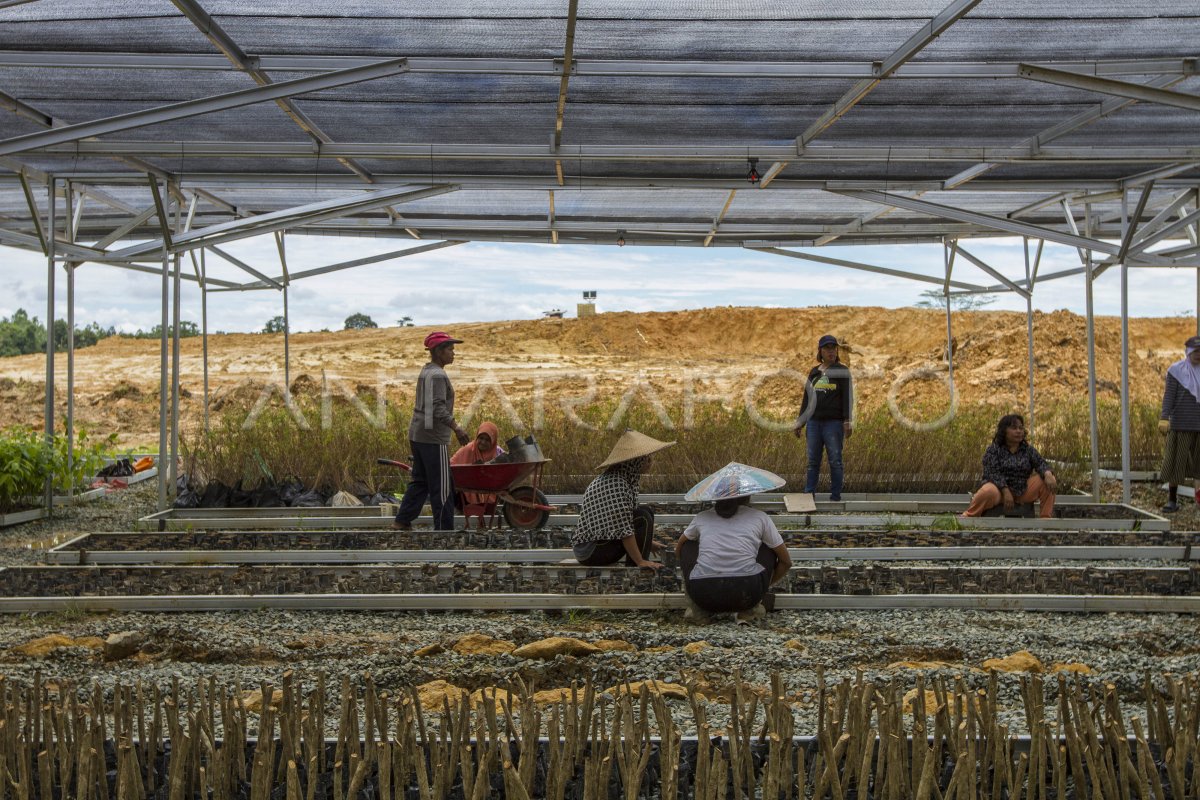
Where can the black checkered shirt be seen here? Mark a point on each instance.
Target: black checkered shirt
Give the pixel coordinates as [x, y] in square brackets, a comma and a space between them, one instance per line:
[608, 504]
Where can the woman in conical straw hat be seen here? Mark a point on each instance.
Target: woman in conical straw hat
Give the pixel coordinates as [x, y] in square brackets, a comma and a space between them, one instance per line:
[731, 553]
[611, 523]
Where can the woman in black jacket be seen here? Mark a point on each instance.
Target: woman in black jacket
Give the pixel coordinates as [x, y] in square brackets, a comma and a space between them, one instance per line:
[826, 416]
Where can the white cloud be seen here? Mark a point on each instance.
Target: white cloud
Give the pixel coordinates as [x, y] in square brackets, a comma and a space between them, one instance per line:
[489, 281]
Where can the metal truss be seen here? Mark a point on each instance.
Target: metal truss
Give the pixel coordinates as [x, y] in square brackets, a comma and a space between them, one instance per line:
[281, 220]
[736, 153]
[592, 68]
[193, 108]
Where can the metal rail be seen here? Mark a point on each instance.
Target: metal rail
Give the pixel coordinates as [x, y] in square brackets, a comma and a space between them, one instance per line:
[565, 557]
[628, 602]
[1139, 520]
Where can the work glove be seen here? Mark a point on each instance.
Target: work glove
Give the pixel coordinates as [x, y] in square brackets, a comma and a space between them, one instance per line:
[1164, 425]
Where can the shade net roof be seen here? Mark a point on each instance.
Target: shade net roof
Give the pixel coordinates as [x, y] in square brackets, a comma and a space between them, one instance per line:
[717, 123]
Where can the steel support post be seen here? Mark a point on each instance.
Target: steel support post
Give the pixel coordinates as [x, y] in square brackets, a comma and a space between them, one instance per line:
[1029, 331]
[1126, 486]
[69, 266]
[49, 409]
[287, 362]
[204, 330]
[173, 488]
[162, 374]
[1029, 350]
[948, 259]
[1093, 419]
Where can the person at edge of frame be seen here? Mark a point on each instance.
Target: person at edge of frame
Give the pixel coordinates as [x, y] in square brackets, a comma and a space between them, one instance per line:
[1013, 472]
[827, 416]
[611, 523]
[429, 435]
[1180, 423]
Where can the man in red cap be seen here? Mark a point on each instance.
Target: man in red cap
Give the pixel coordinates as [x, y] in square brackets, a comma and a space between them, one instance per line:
[429, 436]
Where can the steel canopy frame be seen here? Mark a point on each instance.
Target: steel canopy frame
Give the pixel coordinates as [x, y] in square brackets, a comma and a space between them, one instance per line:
[846, 195]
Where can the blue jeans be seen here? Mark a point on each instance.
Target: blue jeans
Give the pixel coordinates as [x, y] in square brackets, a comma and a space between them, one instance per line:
[827, 434]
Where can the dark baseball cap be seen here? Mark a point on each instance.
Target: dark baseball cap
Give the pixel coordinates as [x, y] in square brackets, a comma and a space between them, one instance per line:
[827, 339]
[1192, 342]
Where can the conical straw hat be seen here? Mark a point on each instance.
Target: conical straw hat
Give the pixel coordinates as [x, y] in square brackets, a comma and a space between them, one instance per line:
[633, 445]
[734, 480]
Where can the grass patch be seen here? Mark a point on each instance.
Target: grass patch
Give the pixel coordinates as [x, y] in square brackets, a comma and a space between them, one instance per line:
[333, 446]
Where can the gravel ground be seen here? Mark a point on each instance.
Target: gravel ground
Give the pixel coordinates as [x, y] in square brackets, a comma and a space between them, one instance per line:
[248, 647]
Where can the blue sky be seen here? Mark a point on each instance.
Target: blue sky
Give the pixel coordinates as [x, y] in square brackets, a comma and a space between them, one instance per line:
[486, 281]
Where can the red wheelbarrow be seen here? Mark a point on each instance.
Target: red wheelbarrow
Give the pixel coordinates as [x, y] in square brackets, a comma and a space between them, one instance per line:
[514, 487]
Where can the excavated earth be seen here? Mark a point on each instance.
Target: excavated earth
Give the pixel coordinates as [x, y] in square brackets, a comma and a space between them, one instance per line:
[721, 351]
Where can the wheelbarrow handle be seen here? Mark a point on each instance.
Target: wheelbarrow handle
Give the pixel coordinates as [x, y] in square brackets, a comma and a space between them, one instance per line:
[390, 462]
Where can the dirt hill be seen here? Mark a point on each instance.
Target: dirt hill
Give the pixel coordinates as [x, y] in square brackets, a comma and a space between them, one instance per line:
[721, 350]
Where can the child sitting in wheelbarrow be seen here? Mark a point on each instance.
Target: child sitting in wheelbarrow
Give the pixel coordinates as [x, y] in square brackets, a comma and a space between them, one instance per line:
[480, 450]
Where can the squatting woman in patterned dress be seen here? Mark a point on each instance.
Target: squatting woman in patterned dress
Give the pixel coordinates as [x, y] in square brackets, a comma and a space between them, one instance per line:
[1013, 472]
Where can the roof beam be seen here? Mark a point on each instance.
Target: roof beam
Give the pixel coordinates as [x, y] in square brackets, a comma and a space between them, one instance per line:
[1131, 225]
[734, 152]
[838, 262]
[1162, 233]
[717, 220]
[225, 43]
[78, 252]
[995, 273]
[1126, 89]
[915, 43]
[358, 262]
[25, 110]
[117, 233]
[552, 67]
[567, 62]
[1159, 218]
[1036, 143]
[275, 181]
[857, 225]
[287, 218]
[242, 265]
[204, 105]
[984, 220]
[158, 271]
[550, 219]
[33, 210]
[978, 218]
[1156, 174]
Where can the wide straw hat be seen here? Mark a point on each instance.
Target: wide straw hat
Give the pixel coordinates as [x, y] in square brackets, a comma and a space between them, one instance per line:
[734, 480]
[633, 445]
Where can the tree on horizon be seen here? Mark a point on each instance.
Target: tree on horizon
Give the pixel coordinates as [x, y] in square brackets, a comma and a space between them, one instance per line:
[358, 322]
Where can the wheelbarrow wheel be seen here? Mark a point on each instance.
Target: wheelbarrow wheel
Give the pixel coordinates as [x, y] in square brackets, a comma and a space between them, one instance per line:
[523, 517]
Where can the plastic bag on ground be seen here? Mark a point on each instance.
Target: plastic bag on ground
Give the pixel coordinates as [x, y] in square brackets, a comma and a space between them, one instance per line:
[310, 499]
[215, 495]
[342, 499]
[240, 498]
[267, 495]
[185, 495]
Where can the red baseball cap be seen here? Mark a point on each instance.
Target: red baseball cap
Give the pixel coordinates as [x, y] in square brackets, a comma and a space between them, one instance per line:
[439, 338]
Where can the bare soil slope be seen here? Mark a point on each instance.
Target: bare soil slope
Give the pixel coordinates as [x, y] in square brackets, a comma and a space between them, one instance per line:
[720, 350]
